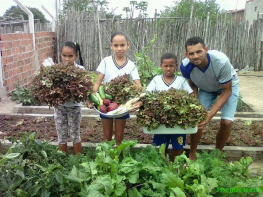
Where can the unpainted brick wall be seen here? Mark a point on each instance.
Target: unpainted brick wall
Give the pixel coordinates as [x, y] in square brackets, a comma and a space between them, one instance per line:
[18, 56]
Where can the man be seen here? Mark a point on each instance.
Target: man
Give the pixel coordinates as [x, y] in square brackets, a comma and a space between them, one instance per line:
[211, 75]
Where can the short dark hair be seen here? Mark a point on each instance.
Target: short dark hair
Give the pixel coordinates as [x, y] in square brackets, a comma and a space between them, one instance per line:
[193, 41]
[118, 33]
[169, 56]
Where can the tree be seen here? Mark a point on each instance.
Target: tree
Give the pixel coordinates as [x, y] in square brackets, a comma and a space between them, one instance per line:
[16, 11]
[134, 5]
[88, 6]
[142, 7]
[126, 10]
[201, 9]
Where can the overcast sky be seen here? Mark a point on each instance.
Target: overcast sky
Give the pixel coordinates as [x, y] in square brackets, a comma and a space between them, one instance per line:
[116, 5]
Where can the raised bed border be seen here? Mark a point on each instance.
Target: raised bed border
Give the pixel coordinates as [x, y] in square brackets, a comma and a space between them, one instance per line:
[232, 152]
[45, 111]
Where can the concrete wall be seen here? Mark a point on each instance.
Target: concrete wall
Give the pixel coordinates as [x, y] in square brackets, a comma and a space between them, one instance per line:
[19, 60]
[253, 10]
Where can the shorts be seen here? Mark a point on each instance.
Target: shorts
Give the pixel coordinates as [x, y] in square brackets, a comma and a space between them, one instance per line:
[67, 120]
[123, 117]
[229, 109]
[177, 140]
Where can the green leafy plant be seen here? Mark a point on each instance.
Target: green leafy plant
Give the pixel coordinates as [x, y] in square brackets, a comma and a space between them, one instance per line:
[34, 168]
[170, 108]
[146, 68]
[122, 88]
[23, 95]
[61, 83]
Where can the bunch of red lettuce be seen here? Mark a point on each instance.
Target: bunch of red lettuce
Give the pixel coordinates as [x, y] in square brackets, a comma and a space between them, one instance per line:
[170, 108]
[61, 83]
[122, 89]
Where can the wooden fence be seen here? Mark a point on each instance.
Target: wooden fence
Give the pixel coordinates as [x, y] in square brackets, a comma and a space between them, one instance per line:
[242, 44]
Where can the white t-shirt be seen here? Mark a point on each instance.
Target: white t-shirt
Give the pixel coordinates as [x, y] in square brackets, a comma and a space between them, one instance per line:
[73, 103]
[109, 67]
[158, 83]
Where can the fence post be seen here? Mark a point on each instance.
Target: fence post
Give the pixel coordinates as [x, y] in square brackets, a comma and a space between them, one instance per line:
[206, 28]
[190, 21]
[98, 26]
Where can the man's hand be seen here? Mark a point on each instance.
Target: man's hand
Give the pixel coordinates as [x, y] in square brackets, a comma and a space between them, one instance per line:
[202, 124]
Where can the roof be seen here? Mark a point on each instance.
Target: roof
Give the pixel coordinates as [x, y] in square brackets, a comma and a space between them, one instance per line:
[239, 10]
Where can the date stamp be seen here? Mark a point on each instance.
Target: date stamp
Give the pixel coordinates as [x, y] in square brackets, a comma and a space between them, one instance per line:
[239, 190]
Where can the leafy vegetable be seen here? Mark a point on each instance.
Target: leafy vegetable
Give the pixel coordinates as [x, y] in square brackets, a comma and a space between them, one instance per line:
[122, 88]
[61, 83]
[23, 95]
[172, 107]
[35, 168]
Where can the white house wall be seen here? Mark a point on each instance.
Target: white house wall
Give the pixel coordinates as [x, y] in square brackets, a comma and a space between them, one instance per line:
[252, 9]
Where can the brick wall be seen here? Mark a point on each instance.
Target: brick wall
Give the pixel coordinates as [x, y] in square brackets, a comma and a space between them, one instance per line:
[18, 62]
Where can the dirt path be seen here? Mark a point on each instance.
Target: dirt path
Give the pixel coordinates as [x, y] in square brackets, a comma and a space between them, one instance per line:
[251, 88]
[7, 106]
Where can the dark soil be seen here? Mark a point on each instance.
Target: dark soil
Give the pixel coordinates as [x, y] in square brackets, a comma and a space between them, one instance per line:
[244, 133]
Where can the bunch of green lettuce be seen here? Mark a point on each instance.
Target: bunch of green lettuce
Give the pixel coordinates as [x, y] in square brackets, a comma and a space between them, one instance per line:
[170, 108]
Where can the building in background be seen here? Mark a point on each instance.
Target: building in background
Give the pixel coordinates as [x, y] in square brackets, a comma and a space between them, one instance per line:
[253, 10]
[238, 15]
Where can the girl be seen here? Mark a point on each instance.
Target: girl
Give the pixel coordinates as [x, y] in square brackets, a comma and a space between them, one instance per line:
[68, 116]
[110, 68]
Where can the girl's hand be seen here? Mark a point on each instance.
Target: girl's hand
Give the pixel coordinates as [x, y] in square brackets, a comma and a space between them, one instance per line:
[90, 104]
[136, 106]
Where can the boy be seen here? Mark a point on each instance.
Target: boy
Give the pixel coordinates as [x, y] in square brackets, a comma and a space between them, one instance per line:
[164, 82]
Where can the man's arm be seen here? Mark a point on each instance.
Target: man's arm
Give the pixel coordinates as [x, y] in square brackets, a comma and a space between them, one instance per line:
[221, 101]
[193, 86]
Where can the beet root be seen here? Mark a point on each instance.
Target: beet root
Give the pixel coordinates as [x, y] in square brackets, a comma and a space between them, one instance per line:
[112, 106]
[106, 102]
[103, 109]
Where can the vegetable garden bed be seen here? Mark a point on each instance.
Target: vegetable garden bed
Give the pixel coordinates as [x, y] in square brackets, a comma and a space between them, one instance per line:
[246, 132]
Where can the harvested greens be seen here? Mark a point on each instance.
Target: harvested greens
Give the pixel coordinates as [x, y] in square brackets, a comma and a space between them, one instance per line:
[61, 83]
[122, 89]
[172, 107]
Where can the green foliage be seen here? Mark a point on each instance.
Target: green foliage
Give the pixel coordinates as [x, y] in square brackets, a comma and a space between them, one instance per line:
[134, 5]
[22, 95]
[40, 169]
[170, 108]
[61, 83]
[201, 9]
[146, 68]
[34, 167]
[122, 89]
[84, 5]
[16, 11]
[88, 6]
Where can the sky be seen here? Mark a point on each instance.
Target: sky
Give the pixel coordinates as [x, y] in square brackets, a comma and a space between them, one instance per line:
[115, 5]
